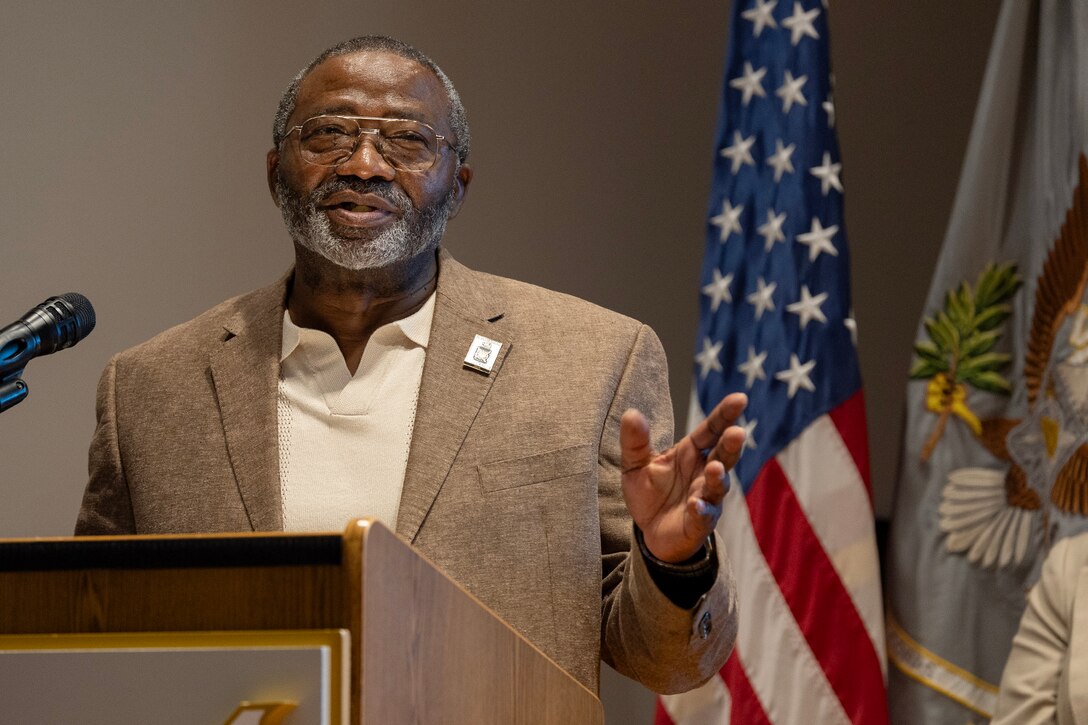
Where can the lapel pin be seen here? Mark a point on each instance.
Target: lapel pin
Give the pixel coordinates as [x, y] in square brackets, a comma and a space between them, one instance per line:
[482, 354]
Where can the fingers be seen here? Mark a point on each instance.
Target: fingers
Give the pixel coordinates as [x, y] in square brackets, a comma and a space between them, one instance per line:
[718, 436]
[709, 491]
[706, 495]
[715, 483]
[709, 512]
[729, 447]
[635, 448]
[725, 414]
[705, 505]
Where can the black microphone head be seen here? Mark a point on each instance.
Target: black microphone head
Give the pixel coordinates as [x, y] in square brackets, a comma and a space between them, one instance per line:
[83, 312]
[55, 324]
[60, 322]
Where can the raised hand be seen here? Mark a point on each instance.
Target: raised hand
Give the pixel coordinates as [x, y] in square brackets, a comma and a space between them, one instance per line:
[675, 497]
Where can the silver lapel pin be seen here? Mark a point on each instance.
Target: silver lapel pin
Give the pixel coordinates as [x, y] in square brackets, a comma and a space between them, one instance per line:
[482, 354]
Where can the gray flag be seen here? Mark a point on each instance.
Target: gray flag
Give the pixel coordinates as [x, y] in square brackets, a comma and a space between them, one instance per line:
[995, 461]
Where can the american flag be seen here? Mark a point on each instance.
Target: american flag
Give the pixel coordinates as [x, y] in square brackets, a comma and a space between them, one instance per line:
[776, 322]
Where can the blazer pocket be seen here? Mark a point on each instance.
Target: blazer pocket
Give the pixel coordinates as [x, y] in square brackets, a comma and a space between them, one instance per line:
[540, 467]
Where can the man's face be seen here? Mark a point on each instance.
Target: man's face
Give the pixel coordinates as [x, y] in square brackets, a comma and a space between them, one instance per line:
[365, 214]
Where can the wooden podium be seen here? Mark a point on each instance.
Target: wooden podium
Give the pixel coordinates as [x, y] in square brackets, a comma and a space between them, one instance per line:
[419, 649]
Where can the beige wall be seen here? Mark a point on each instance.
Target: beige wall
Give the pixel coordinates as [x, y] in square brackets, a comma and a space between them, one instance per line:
[132, 141]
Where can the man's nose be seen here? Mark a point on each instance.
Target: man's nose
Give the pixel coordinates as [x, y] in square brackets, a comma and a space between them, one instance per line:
[366, 161]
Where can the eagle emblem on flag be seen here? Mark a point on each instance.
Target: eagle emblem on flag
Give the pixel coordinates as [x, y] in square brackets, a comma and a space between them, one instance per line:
[997, 516]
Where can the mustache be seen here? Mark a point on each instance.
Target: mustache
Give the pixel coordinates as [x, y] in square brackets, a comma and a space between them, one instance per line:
[378, 187]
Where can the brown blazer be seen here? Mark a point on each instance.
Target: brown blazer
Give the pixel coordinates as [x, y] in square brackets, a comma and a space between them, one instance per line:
[512, 484]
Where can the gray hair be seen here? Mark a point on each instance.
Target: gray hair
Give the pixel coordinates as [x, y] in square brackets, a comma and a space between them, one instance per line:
[457, 119]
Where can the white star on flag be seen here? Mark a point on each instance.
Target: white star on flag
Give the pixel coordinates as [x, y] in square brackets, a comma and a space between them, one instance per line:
[771, 231]
[829, 108]
[753, 367]
[718, 290]
[740, 152]
[750, 84]
[808, 307]
[818, 240]
[749, 427]
[708, 358]
[797, 376]
[761, 299]
[728, 221]
[828, 174]
[790, 92]
[852, 325]
[800, 24]
[761, 16]
[780, 159]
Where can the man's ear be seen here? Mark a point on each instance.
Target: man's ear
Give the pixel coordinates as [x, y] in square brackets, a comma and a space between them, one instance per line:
[464, 178]
[272, 162]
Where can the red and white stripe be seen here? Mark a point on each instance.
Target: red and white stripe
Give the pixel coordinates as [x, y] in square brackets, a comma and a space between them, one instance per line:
[811, 643]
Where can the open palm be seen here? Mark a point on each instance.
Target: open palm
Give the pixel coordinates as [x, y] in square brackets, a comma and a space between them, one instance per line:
[675, 497]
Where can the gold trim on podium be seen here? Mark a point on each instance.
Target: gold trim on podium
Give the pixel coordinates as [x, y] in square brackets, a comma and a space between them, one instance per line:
[272, 713]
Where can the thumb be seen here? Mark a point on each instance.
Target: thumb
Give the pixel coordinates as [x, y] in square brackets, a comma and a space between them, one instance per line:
[635, 450]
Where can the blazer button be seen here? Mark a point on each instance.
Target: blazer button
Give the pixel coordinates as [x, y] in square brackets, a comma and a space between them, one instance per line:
[705, 625]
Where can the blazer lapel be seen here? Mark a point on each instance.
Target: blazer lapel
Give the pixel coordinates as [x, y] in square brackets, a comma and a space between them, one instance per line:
[245, 371]
[450, 395]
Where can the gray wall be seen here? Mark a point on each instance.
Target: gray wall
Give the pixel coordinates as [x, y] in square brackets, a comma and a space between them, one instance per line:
[133, 134]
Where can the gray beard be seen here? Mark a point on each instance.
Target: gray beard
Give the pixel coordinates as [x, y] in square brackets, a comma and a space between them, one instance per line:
[414, 232]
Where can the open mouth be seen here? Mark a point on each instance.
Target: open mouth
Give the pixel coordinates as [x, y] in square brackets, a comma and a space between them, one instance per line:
[355, 214]
[351, 206]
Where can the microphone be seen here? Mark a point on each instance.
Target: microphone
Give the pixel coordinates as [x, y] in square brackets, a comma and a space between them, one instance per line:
[55, 324]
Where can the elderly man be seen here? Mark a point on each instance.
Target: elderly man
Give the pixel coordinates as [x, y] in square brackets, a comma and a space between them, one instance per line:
[382, 378]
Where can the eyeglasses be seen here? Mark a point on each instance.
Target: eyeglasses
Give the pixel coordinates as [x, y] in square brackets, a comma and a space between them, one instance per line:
[405, 144]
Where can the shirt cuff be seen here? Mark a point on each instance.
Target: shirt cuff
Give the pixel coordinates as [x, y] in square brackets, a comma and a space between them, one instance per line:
[686, 582]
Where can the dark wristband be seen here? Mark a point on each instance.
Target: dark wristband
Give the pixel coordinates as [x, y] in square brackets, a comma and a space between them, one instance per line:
[686, 582]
